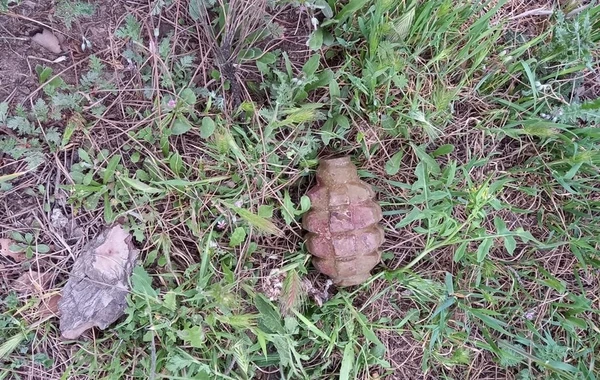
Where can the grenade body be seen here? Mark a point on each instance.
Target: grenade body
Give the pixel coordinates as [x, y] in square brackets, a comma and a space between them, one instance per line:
[343, 231]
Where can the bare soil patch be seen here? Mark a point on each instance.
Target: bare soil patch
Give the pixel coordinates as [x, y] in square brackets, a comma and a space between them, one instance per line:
[19, 55]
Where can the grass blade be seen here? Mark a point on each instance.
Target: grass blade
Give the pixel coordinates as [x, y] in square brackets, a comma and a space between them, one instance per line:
[257, 221]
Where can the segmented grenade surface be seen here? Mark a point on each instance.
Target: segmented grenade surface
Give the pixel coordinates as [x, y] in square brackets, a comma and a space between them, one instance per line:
[343, 232]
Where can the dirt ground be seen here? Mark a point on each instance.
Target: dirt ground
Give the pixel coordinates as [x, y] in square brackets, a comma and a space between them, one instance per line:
[19, 55]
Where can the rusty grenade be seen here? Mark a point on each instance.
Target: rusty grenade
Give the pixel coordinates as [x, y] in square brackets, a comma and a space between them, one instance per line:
[343, 231]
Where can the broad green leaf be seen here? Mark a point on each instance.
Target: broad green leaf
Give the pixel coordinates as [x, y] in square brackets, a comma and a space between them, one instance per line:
[188, 96]
[142, 283]
[577, 322]
[265, 211]
[510, 244]
[316, 40]
[108, 212]
[42, 248]
[392, 167]
[347, 361]
[269, 315]
[180, 126]
[540, 129]
[498, 185]
[460, 251]
[138, 185]
[207, 128]
[238, 237]
[414, 214]
[342, 122]
[484, 249]
[554, 283]
[176, 163]
[432, 164]
[193, 335]
[304, 204]
[170, 300]
[323, 79]
[450, 172]
[110, 168]
[311, 66]
[282, 347]
[135, 157]
[88, 178]
[44, 73]
[561, 366]
[531, 76]
[443, 150]
[195, 9]
[262, 341]
[526, 236]
[334, 89]
[372, 337]
[324, 7]
[288, 209]
[449, 282]
[84, 155]
[264, 61]
[500, 225]
[432, 131]
[349, 9]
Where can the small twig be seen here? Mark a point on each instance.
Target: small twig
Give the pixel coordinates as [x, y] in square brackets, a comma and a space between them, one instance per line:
[534, 12]
[11, 14]
[549, 12]
[577, 10]
[15, 38]
[58, 60]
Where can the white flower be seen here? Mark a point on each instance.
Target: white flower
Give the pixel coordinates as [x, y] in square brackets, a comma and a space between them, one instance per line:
[221, 224]
[530, 315]
[314, 22]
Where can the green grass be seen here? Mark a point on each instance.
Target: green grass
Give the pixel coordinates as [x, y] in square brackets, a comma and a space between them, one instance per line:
[477, 131]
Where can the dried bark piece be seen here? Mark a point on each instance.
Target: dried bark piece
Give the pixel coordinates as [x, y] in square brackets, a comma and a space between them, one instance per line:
[96, 292]
[343, 232]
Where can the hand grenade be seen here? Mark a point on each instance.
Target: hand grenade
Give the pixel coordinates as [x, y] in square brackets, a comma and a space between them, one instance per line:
[343, 231]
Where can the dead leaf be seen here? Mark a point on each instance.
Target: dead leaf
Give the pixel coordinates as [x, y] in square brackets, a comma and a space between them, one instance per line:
[5, 251]
[49, 306]
[47, 40]
[96, 293]
[31, 282]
